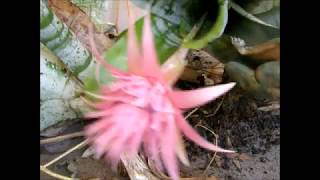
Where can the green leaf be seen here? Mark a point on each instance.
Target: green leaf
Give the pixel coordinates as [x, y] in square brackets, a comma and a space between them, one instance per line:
[215, 31]
[58, 91]
[250, 32]
[258, 6]
[57, 37]
[271, 17]
[171, 23]
[189, 12]
[166, 42]
[247, 48]
[249, 16]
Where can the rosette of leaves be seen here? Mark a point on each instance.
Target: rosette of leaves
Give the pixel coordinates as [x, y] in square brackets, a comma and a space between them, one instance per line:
[250, 46]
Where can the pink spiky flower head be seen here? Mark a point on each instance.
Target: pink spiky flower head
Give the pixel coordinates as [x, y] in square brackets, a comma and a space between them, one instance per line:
[142, 108]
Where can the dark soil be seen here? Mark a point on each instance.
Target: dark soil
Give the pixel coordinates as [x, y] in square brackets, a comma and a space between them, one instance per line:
[237, 121]
[242, 127]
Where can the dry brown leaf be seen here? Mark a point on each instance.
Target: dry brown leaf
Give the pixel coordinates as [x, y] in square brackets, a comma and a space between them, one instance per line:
[202, 65]
[120, 15]
[137, 168]
[79, 23]
[244, 157]
[231, 155]
[266, 51]
[156, 171]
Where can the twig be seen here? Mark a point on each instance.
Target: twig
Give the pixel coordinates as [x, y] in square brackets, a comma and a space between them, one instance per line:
[80, 145]
[216, 110]
[204, 174]
[190, 113]
[274, 106]
[61, 138]
[53, 174]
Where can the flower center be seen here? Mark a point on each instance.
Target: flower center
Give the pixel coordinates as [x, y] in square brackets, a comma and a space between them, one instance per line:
[147, 93]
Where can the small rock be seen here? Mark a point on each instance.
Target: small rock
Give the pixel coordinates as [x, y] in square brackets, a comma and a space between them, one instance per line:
[263, 159]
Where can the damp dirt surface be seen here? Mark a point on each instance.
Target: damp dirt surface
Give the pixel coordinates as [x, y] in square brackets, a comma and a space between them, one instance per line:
[238, 121]
[242, 123]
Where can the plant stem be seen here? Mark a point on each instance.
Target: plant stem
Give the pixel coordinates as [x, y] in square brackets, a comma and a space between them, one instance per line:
[80, 145]
[53, 174]
[61, 138]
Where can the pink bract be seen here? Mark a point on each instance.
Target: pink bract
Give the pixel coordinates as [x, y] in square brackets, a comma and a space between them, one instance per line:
[142, 108]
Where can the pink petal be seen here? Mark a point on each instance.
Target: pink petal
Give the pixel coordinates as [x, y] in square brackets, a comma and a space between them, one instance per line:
[96, 127]
[180, 150]
[133, 143]
[117, 149]
[104, 141]
[160, 102]
[151, 147]
[195, 137]
[133, 47]
[198, 97]
[168, 153]
[150, 63]
[157, 119]
[98, 114]
[174, 66]
[104, 105]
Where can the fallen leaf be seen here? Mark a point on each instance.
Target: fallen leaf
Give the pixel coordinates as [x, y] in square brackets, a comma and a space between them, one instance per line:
[266, 51]
[137, 168]
[260, 6]
[244, 157]
[79, 22]
[249, 16]
[231, 155]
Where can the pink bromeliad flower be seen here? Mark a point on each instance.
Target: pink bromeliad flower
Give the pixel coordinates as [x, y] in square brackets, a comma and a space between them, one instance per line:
[142, 108]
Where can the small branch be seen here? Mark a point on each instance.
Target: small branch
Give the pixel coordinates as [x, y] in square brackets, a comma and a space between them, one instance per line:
[53, 174]
[272, 107]
[80, 145]
[61, 138]
[190, 113]
[216, 110]
[204, 174]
